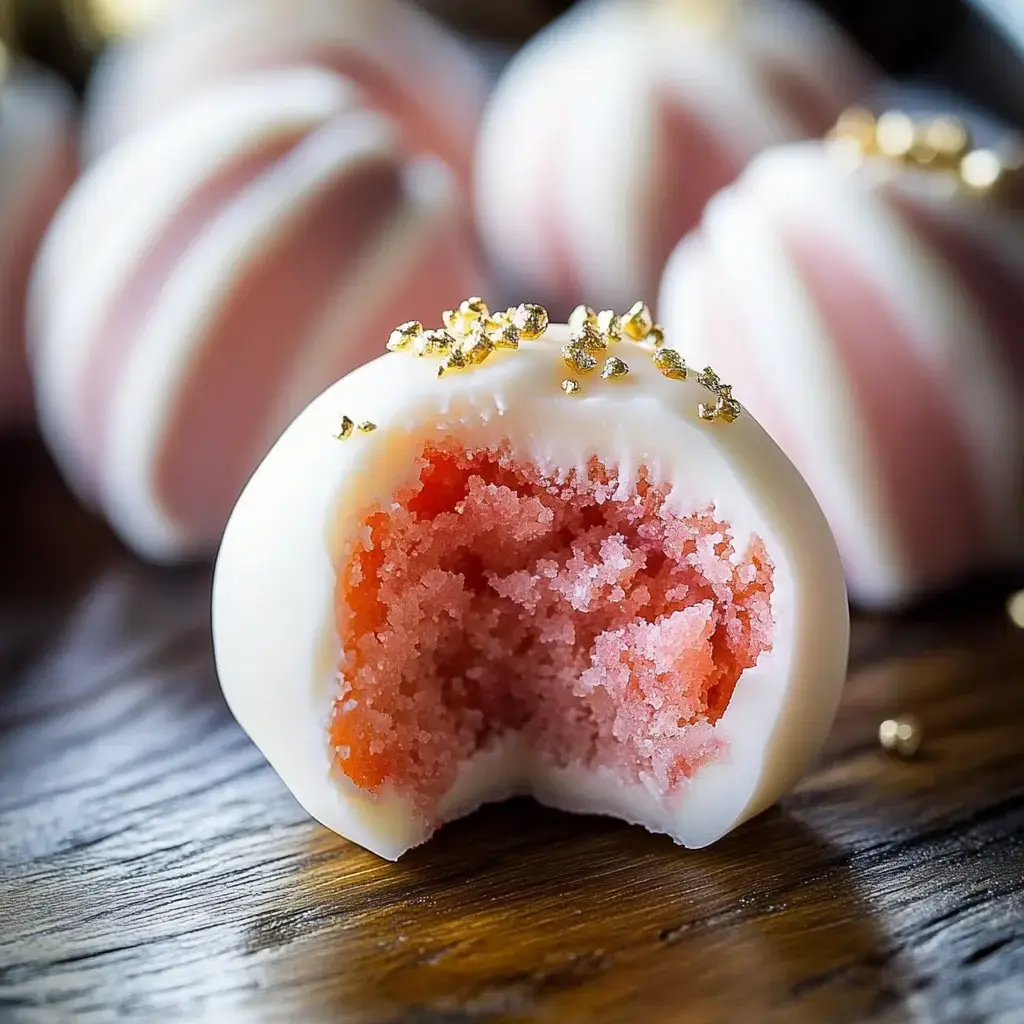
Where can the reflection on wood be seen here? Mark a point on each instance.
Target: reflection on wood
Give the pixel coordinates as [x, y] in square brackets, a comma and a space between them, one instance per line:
[152, 865]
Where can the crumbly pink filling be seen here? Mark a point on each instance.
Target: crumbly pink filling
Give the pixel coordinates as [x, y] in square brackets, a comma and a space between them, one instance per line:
[489, 597]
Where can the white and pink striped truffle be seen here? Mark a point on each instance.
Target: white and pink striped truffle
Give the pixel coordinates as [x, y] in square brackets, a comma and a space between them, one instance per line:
[404, 65]
[870, 315]
[608, 132]
[37, 164]
[495, 584]
[211, 272]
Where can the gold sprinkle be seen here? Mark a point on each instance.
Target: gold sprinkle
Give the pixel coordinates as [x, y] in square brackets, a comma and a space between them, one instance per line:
[571, 387]
[589, 337]
[578, 358]
[638, 321]
[478, 348]
[1015, 609]
[940, 142]
[614, 367]
[981, 170]
[506, 335]
[579, 317]
[434, 343]
[709, 379]
[531, 320]
[456, 360]
[366, 427]
[656, 336]
[452, 320]
[670, 363]
[856, 126]
[901, 736]
[609, 323]
[726, 408]
[345, 429]
[402, 336]
[729, 409]
[474, 308]
[894, 135]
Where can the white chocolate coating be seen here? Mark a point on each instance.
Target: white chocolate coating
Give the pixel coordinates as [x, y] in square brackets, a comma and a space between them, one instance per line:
[404, 64]
[819, 389]
[273, 604]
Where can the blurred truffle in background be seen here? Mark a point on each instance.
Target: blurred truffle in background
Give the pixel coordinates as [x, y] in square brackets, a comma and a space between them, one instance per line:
[403, 64]
[864, 298]
[609, 131]
[243, 241]
[37, 164]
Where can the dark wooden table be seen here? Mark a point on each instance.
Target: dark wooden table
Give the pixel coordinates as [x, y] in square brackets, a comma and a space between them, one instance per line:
[152, 867]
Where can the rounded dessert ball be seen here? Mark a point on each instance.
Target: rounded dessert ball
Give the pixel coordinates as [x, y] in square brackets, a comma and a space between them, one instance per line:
[870, 315]
[211, 274]
[572, 568]
[610, 130]
[404, 64]
[37, 164]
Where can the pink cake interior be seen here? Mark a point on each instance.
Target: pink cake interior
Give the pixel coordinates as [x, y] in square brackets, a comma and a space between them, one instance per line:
[489, 597]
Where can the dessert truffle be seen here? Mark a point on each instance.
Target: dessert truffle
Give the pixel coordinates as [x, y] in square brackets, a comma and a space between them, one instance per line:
[868, 310]
[510, 557]
[404, 65]
[37, 164]
[211, 273]
[609, 131]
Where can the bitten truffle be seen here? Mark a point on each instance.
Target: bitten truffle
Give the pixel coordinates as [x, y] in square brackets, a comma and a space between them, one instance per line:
[513, 557]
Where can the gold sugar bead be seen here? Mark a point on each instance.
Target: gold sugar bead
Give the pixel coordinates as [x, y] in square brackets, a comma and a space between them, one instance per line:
[855, 125]
[981, 170]
[402, 336]
[638, 321]
[656, 336]
[614, 367]
[1015, 608]
[345, 429]
[894, 135]
[670, 363]
[941, 142]
[901, 736]
[609, 323]
[434, 343]
[578, 358]
[366, 427]
[571, 387]
[579, 317]
[531, 320]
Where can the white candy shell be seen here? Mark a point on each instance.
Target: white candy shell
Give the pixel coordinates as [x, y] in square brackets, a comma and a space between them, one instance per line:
[273, 603]
[405, 66]
[208, 276]
[37, 164]
[870, 319]
[609, 131]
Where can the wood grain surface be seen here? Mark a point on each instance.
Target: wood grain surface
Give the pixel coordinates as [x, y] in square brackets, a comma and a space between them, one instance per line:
[152, 867]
